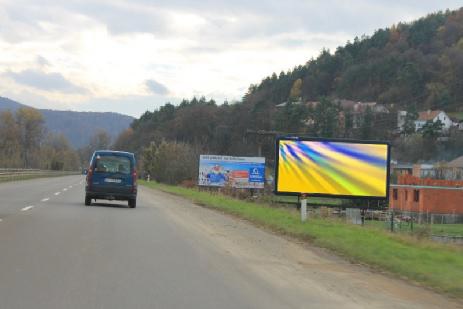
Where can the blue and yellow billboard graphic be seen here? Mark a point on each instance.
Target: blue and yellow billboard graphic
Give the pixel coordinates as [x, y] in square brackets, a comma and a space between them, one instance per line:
[332, 168]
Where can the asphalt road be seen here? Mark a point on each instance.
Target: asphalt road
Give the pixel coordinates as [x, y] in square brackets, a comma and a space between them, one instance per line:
[167, 253]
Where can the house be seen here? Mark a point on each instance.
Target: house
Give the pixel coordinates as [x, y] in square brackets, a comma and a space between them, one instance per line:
[432, 196]
[401, 117]
[357, 109]
[452, 170]
[424, 171]
[434, 116]
[401, 168]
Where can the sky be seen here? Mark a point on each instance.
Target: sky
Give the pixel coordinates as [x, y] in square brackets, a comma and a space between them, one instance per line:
[133, 56]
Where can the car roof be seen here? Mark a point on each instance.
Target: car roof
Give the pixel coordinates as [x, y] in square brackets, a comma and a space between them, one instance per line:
[124, 153]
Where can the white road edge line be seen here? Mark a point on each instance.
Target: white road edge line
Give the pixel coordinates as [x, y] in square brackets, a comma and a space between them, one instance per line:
[57, 193]
[45, 199]
[27, 208]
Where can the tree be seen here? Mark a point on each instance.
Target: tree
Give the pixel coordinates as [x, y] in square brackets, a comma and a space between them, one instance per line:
[99, 141]
[326, 118]
[432, 129]
[31, 131]
[10, 151]
[57, 154]
[171, 162]
[409, 124]
[290, 118]
[366, 128]
[296, 90]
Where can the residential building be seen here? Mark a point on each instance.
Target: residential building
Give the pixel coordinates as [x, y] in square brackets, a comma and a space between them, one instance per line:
[452, 170]
[433, 196]
[434, 116]
[424, 117]
[401, 168]
[424, 171]
[401, 117]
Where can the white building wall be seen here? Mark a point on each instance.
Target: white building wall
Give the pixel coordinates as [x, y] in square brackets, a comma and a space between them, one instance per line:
[445, 119]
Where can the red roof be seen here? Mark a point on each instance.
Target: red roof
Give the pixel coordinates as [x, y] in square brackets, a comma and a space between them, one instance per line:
[428, 115]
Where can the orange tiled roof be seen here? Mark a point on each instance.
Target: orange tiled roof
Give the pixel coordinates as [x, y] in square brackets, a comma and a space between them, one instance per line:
[428, 115]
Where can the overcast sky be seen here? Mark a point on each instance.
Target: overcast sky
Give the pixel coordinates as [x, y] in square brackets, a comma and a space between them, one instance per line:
[133, 56]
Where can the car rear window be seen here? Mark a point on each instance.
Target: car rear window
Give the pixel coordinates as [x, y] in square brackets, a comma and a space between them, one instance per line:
[112, 164]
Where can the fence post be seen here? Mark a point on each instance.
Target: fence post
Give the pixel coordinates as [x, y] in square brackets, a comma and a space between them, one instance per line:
[392, 220]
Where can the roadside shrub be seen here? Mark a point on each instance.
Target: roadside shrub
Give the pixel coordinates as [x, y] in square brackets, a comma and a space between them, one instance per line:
[171, 162]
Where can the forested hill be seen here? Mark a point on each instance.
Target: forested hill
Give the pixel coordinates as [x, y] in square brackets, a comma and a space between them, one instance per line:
[410, 66]
[410, 63]
[77, 127]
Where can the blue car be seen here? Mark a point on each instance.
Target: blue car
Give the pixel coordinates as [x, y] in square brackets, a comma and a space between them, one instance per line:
[112, 175]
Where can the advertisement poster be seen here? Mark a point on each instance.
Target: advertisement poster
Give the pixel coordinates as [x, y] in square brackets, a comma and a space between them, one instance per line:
[332, 168]
[236, 172]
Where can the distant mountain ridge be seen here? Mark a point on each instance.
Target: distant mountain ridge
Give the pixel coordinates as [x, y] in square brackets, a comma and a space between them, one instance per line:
[78, 127]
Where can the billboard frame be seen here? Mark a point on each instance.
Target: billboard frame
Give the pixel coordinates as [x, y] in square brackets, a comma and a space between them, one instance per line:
[336, 140]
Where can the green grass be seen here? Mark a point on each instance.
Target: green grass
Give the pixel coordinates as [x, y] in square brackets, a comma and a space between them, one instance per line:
[434, 265]
[310, 200]
[457, 115]
[436, 229]
[447, 229]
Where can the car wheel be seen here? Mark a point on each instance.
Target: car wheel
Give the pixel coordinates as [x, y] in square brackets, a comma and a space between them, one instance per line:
[88, 201]
[132, 203]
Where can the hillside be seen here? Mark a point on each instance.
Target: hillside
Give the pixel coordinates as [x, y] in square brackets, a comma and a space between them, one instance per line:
[418, 64]
[78, 127]
[410, 66]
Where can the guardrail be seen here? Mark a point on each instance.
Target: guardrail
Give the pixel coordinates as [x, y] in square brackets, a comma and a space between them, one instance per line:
[9, 174]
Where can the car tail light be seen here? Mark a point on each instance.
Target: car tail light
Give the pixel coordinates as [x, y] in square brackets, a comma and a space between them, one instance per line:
[89, 177]
[134, 181]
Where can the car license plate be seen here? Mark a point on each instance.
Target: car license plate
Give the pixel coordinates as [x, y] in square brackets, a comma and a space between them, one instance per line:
[112, 180]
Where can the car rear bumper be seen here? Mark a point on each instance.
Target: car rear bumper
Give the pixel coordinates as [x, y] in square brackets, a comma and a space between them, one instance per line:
[118, 196]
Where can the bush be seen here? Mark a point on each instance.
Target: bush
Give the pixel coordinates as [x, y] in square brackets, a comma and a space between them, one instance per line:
[171, 162]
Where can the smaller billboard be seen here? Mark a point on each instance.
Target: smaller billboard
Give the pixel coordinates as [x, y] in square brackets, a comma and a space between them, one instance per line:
[236, 172]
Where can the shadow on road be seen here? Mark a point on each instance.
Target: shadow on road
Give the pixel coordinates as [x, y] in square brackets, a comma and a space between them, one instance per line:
[120, 205]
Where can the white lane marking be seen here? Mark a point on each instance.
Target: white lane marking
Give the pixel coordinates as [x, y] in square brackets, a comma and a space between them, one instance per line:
[57, 193]
[1, 220]
[70, 187]
[27, 208]
[65, 189]
[45, 199]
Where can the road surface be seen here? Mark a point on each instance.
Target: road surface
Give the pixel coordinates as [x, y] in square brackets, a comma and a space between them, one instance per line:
[168, 253]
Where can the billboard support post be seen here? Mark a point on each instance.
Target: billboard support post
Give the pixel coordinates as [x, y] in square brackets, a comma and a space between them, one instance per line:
[303, 208]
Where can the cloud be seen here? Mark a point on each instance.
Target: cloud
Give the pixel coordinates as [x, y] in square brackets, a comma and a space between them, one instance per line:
[42, 61]
[45, 81]
[210, 47]
[156, 87]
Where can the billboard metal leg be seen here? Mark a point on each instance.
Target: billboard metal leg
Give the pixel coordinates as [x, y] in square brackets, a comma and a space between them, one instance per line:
[303, 208]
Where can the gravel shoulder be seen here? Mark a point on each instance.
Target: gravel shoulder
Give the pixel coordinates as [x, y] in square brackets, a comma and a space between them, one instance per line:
[306, 275]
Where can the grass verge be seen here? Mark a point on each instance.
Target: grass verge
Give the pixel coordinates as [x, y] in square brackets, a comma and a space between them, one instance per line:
[434, 265]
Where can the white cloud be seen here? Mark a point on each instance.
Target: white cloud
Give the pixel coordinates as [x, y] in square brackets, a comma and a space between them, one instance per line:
[113, 48]
[52, 81]
[156, 87]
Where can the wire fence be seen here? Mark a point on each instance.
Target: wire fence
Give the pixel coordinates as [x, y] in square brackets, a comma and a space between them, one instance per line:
[446, 228]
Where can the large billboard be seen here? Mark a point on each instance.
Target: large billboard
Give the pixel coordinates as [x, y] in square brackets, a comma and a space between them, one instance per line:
[236, 172]
[333, 168]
